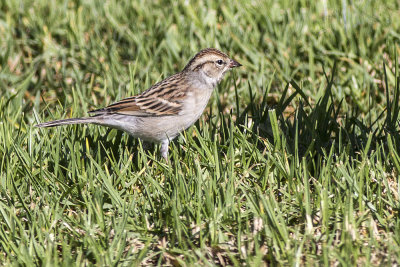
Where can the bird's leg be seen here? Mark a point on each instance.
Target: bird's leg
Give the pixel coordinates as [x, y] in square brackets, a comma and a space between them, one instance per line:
[164, 149]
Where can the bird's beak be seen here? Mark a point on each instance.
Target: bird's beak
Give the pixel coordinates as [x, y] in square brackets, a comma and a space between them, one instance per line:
[234, 64]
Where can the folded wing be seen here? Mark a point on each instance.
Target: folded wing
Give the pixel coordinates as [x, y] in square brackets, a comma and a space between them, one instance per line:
[162, 99]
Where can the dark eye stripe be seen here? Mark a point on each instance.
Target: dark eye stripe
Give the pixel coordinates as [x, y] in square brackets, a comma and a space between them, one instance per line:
[202, 64]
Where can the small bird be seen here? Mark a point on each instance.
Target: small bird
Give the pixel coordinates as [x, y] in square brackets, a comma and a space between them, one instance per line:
[167, 108]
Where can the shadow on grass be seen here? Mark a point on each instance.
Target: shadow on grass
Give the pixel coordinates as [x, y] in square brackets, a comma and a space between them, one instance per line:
[105, 148]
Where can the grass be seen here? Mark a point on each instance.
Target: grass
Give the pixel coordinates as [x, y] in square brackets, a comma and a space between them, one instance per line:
[295, 161]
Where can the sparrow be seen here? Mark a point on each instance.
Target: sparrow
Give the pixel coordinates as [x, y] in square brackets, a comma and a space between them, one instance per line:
[167, 108]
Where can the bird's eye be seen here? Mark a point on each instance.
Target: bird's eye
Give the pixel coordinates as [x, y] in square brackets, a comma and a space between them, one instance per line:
[220, 62]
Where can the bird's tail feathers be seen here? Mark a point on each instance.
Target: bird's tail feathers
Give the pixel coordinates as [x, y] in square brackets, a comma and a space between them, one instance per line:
[67, 121]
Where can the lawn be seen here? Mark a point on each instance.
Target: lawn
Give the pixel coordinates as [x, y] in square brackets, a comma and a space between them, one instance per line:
[295, 161]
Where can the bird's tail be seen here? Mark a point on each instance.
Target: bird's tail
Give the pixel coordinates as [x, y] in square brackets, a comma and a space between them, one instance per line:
[68, 121]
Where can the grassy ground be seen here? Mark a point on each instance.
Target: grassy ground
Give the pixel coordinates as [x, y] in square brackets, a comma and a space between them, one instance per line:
[295, 161]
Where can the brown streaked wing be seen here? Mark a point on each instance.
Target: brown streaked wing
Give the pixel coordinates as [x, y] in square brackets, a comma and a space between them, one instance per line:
[162, 99]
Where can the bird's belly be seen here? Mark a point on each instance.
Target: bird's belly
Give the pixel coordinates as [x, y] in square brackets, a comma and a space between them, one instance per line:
[153, 129]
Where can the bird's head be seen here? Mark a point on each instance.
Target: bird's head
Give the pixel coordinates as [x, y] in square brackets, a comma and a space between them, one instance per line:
[210, 65]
